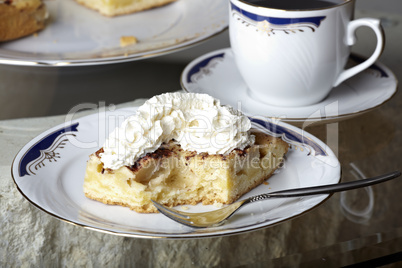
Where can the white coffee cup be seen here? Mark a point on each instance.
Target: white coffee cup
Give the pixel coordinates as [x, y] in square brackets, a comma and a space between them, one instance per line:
[295, 57]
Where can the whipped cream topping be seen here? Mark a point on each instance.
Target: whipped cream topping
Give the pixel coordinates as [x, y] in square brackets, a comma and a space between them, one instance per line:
[196, 121]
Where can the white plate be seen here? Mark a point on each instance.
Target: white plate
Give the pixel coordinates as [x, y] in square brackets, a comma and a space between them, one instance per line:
[49, 172]
[76, 35]
[217, 75]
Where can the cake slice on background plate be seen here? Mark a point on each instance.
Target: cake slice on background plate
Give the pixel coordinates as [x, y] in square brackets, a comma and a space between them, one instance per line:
[119, 7]
[19, 18]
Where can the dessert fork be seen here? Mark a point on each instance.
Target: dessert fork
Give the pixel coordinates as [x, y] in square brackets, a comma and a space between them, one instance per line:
[218, 217]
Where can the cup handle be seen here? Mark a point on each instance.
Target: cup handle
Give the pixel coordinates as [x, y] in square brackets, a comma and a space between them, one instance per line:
[351, 40]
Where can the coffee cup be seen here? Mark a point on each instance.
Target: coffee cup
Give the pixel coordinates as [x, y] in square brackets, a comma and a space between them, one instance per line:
[293, 53]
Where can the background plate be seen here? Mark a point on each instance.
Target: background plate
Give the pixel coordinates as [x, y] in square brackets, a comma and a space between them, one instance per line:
[76, 35]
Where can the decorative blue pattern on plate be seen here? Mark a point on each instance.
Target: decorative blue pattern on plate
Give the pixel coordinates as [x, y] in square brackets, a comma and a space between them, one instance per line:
[45, 149]
[272, 24]
[290, 136]
[203, 66]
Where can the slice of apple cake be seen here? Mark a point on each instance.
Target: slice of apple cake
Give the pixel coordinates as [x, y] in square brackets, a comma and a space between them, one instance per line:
[161, 154]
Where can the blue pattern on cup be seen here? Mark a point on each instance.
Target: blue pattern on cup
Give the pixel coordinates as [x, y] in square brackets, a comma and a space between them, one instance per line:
[272, 24]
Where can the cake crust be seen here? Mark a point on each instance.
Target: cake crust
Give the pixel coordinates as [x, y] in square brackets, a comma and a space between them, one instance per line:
[21, 18]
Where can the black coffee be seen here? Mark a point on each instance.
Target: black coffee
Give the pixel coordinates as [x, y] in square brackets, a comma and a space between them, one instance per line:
[295, 4]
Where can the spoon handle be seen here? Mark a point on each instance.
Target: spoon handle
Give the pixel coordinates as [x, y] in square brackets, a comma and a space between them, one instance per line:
[327, 189]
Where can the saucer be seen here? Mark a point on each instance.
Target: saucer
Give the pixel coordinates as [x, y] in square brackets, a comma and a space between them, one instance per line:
[216, 74]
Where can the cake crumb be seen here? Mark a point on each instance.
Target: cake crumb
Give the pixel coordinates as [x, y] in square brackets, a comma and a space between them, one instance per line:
[128, 40]
[266, 183]
[184, 208]
[218, 205]
[35, 34]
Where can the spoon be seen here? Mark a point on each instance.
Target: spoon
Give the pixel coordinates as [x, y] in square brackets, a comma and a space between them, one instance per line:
[218, 217]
